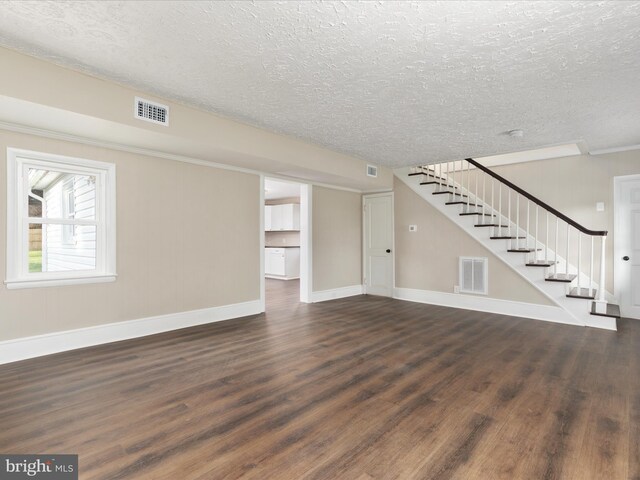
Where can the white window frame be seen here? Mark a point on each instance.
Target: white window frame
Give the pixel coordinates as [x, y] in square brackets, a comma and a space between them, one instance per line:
[17, 275]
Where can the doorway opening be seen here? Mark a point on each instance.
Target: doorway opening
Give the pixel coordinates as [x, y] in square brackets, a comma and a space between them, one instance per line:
[286, 252]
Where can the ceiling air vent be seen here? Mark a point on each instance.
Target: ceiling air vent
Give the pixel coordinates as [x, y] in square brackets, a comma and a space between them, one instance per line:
[151, 111]
[372, 171]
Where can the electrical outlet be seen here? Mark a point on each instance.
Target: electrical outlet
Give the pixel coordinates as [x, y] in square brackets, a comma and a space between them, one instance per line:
[456, 289]
[600, 207]
[413, 228]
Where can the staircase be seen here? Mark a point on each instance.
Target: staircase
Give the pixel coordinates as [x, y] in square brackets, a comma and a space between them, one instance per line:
[554, 253]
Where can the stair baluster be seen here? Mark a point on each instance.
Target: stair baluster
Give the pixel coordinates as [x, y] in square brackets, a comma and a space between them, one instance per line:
[555, 256]
[517, 220]
[484, 198]
[499, 207]
[468, 185]
[453, 180]
[591, 293]
[535, 239]
[546, 239]
[526, 237]
[476, 188]
[509, 213]
[579, 260]
[566, 263]
[445, 174]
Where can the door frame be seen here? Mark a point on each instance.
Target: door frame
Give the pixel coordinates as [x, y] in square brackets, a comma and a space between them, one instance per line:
[618, 279]
[389, 193]
[306, 247]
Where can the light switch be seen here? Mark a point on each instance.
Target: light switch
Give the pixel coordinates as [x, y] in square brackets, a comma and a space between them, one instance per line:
[600, 207]
[413, 228]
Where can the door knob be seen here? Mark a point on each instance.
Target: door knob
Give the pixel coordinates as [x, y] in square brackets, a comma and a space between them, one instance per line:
[388, 250]
[625, 258]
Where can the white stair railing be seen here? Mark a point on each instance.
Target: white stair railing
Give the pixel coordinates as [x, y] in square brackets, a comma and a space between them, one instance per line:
[466, 182]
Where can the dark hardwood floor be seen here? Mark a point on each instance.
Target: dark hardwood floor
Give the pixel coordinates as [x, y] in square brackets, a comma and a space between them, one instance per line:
[358, 388]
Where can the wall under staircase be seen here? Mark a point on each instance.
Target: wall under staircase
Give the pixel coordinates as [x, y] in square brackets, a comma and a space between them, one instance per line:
[559, 306]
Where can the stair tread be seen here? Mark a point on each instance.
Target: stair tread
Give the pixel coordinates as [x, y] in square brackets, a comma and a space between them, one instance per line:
[523, 250]
[575, 292]
[561, 277]
[445, 192]
[463, 214]
[457, 202]
[490, 225]
[427, 174]
[430, 182]
[613, 310]
[541, 263]
[505, 237]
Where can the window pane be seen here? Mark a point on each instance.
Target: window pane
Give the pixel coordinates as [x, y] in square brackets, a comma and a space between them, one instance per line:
[35, 248]
[56, 248]
[35, 205]
[61, 195]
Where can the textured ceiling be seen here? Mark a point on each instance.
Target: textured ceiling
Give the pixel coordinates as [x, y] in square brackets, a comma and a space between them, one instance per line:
[397, 83]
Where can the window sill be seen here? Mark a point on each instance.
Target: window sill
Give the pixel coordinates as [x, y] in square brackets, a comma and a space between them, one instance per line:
[57, 282]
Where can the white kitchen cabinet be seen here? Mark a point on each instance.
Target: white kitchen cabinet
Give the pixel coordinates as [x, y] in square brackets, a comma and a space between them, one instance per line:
[282, 262]
[282, 217]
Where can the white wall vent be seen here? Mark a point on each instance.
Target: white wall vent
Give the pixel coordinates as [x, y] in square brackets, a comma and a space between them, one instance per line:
[151, 111]
[372, 171]
[474, 275]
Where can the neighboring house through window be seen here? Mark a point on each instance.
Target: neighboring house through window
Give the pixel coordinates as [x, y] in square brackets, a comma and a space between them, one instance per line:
[61, 220]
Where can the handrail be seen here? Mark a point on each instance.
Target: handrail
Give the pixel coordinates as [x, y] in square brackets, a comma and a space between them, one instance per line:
[600, 233]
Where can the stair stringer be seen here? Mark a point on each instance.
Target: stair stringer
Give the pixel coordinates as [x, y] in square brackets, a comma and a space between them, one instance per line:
[574, 311]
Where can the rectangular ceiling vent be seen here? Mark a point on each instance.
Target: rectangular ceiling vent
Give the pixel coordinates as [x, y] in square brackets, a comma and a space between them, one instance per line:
[151, 111]
[474, 275]
[372, 171]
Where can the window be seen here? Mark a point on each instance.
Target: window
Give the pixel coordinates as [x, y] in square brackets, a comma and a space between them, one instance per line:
[60, 220]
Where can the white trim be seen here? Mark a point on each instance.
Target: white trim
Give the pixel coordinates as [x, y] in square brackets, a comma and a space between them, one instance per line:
[17, 274]
[36, 346]
[490, 305]
[58, 282]
[261, 244]
[342, 292]
[603, 151]
[618, 252]
[41, 132]
[306, 243]
[363, 278]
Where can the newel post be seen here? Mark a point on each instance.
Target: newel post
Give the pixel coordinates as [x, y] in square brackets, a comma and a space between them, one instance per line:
[601, 302]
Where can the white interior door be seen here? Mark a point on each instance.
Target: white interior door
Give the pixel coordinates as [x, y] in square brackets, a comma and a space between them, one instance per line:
[378, 244]
[627, 241]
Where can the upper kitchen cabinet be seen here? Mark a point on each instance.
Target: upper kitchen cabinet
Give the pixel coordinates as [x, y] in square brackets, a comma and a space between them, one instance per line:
[267, 218]
[282, 217]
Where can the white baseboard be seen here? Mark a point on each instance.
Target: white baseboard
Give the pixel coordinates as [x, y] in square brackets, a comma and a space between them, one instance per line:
[334, 293]
[277, 277]
[36, 346]
[486, 304]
